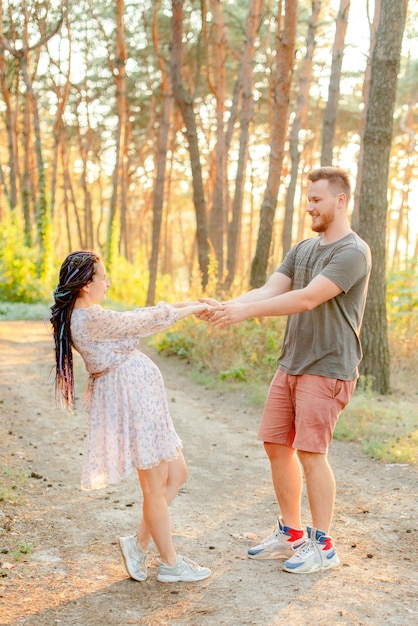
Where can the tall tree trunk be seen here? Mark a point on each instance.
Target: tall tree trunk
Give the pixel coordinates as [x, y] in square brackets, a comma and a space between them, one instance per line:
[26, 184]
[373, 194]
[158, 196]
[68, 189]
[185, 104]
[366, 91]
[245, 78]
[218, 83]
[119, 173]
[305, 76]
[408, 174]
[42, 210]
[330, 115]
[9, 118]
[62, 99]
[280, 103]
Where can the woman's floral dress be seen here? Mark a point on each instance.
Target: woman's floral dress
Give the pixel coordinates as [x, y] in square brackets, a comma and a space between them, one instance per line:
[129, 421]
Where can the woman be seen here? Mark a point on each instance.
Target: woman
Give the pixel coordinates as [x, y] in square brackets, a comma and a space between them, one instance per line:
[130, 426]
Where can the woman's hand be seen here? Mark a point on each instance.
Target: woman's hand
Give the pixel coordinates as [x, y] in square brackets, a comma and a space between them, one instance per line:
[190, 308]
[206, 314]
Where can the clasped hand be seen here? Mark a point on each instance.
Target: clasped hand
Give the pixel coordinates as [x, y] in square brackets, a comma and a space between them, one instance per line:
[222, 314]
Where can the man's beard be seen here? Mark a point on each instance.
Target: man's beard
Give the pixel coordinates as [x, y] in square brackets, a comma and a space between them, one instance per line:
[324, 222]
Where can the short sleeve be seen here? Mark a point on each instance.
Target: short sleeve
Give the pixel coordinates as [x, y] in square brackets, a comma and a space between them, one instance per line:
[347, 267]
[287, 266]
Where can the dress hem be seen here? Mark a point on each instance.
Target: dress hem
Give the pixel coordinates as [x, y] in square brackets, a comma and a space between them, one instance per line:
[116, 481]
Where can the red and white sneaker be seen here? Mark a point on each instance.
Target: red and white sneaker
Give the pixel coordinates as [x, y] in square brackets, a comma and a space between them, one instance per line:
[317, 553]
[280, 545]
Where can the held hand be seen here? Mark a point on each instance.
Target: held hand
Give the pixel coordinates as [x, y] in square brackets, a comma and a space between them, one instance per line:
[206, 314]
[190, 308]
[226, 314]
[181, 305]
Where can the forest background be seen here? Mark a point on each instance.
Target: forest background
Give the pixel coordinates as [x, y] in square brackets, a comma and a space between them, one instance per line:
[174, 138]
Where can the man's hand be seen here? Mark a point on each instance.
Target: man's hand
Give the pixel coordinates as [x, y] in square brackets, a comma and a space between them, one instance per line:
[228, 313]
[206, 314]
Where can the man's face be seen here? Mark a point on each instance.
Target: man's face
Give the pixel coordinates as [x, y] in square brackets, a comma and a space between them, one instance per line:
[321, 205]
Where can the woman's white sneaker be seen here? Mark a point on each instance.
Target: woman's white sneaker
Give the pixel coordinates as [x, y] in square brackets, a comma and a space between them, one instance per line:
[183, 570]
[135, 559]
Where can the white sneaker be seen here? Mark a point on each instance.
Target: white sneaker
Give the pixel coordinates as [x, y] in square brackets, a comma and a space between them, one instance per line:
[317, 553]
[135, 559]
[183, 570]
[280, 545]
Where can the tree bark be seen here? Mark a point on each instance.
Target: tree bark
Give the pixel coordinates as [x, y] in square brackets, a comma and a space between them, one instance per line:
[330, 115]
[118, 204]
[373, 194]
[366, 92]
[217, 214]
[158, 196]
[185, 104]
[305, 76]
[245, 80]
[280, 104]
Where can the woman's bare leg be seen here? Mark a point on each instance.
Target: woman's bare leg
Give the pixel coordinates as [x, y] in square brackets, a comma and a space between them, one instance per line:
[160, 486]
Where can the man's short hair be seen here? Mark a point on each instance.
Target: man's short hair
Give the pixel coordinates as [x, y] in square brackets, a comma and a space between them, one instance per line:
[338, 179]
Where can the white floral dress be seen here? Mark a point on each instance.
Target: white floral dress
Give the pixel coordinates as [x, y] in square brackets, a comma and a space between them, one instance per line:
[129, 421]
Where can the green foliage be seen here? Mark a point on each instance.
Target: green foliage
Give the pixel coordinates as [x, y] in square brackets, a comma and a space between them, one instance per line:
[129, 283]
[245, 352]
[402, 309]
[386, 430]
[402, 293]
[173, 343]
[237, 373]
[21, 550]
[19, 278]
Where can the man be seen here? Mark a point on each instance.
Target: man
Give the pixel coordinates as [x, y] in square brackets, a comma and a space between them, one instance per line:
[321, 286]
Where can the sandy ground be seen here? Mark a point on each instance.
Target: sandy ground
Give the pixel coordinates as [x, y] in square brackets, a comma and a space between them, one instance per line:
[75, 574]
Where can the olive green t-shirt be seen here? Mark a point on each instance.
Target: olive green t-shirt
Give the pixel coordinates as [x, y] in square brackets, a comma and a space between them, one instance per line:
[326, 340]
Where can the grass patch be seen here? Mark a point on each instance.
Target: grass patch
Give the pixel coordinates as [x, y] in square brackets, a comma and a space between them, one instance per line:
[386, 427]
[12, 483]
[21, 550]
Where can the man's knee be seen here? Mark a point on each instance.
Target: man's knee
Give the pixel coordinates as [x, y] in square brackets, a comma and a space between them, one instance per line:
[310, 460]
[278, 450]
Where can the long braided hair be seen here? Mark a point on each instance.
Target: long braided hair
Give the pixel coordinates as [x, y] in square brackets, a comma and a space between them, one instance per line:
[76, 271]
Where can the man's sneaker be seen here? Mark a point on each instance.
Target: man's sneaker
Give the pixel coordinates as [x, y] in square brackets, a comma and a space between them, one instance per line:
[135, 559]
[183, 570]
[317, 553]
[281, 544]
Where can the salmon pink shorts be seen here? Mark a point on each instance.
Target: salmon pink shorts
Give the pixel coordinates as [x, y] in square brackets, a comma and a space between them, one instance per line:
[301, 411]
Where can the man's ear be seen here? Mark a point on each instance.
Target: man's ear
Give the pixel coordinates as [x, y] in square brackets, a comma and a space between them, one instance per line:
[342, 199]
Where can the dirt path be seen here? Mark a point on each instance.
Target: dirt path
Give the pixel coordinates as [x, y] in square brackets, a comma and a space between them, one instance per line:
[75, 574]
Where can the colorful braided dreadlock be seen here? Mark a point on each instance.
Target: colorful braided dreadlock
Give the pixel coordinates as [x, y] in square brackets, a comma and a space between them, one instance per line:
[76, 271]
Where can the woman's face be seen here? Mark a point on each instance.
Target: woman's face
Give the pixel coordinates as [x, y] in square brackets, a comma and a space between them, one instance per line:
[98, 287]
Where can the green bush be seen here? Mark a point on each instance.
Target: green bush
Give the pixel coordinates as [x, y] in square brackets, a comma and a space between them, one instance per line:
[18, 267]
[242, 352]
